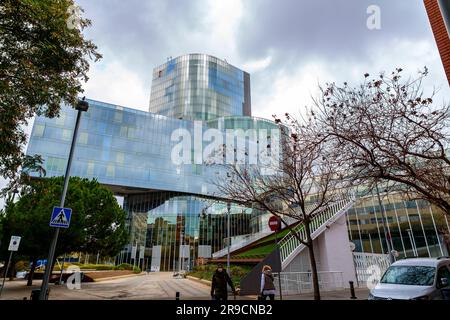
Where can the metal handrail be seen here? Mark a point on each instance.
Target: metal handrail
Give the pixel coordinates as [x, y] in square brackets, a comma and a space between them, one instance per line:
[289, 243]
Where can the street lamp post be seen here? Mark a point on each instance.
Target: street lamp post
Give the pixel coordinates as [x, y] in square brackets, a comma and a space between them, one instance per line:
[228, 237]
[82, 106]
[383, 219]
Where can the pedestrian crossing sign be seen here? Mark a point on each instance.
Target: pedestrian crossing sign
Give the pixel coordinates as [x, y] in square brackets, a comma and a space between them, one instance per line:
[60, 217]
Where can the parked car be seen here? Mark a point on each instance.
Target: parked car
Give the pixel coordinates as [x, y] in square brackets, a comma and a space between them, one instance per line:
[414, 279]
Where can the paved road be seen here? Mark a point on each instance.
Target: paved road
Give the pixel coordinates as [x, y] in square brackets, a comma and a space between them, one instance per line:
[152, 286]
[160, 285]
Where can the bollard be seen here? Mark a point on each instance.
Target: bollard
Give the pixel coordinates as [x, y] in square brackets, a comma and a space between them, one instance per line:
[177, 296]
[352, 290]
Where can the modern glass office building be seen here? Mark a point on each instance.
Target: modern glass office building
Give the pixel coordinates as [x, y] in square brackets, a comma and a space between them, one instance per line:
[414, 227]
[200, 87]
[174, 215]
[176, 218]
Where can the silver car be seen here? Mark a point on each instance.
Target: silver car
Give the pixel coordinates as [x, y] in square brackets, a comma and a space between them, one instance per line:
[414, 279]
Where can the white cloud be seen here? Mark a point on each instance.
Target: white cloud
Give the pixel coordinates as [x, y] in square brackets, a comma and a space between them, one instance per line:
[290, 89]
[257, 65]
[114, 83]
[222, 25]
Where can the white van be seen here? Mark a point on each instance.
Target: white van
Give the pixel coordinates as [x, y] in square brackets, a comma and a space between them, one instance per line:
[414, 279]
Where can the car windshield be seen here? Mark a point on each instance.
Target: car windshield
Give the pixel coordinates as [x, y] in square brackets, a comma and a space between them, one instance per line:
[409, 275]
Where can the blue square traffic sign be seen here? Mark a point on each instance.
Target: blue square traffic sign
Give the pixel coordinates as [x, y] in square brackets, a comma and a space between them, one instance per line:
[60, 217]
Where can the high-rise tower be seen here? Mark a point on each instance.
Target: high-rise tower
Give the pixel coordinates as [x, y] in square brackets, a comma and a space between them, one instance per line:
[199, 87]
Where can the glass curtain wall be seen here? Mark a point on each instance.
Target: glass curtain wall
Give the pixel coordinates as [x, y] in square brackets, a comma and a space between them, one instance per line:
[185, 229]
[416, 228]
[199, 87]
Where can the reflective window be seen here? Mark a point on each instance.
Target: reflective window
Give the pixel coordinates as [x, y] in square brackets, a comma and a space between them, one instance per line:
[38, 130]
[83, 138]
[66, 134]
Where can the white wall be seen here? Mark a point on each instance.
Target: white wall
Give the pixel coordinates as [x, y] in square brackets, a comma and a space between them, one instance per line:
[332, 253]
[334, 250]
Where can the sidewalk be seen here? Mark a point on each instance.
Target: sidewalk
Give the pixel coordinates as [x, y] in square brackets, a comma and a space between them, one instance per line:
[150, 287]
[344, 294]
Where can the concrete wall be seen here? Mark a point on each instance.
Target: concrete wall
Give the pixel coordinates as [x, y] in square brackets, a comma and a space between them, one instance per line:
[332, 252]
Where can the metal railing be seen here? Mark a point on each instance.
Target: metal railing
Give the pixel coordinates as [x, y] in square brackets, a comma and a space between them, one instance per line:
[301, 282]
[248, 240]
[290, 245]
[369, 264]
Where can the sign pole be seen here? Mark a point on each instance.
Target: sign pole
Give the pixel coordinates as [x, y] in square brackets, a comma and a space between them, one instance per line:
[81, 106]
[228, 237]
[13, 246]
[6, 272]
[279, 273]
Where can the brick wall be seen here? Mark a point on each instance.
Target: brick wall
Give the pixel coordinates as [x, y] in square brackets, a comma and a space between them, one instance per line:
[440, 33]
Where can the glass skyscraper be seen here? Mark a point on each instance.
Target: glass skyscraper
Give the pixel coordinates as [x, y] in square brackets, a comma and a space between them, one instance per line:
[200, 87]
[174, 215]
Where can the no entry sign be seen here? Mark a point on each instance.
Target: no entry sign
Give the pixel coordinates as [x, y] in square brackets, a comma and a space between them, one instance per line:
[274, 223]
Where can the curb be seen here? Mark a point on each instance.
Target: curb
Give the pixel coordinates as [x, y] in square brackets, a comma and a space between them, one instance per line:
[119, 277]
[202, 281]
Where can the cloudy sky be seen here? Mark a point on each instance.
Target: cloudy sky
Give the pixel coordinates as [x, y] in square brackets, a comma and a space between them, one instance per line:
[288, 46]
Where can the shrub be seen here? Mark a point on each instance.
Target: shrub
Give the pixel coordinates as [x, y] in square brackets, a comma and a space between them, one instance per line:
[22, 265]
[104, 267]
[124, 266]
[137, 270]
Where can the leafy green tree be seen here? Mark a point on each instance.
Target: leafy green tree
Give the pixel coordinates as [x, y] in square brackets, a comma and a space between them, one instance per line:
[43, 61]
[97, 223]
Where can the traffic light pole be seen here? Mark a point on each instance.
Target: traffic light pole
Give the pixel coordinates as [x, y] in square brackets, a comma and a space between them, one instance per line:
[51, 255]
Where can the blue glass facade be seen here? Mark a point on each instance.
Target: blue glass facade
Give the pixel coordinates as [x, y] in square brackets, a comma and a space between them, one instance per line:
[173, 215]
[200, 87]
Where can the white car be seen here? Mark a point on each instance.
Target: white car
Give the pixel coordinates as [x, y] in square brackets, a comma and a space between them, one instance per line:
[414, 279]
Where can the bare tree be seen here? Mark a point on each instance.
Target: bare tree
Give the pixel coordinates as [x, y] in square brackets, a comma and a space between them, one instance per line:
[300, 185]
[386, 129]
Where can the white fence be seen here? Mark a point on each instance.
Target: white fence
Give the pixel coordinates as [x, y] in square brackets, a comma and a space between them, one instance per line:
[289, 245]
[365, 263]
[301, 282]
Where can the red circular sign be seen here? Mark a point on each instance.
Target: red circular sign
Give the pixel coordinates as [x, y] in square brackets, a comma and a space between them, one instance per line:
[274, 223]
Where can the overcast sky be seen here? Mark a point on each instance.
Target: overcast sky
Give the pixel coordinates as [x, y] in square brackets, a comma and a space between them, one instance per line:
[288, 46]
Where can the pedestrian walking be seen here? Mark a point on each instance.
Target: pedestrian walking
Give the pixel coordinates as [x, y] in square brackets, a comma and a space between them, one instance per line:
[267, 286]
[219, 283]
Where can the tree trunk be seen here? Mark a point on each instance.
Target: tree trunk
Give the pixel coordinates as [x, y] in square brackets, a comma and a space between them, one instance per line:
[312, 259]
[12, 270]
[31, 274]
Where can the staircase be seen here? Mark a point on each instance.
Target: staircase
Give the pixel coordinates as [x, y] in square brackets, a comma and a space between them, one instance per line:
[290, 246]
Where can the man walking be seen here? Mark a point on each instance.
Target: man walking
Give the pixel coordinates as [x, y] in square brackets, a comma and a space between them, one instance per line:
[219, 283]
